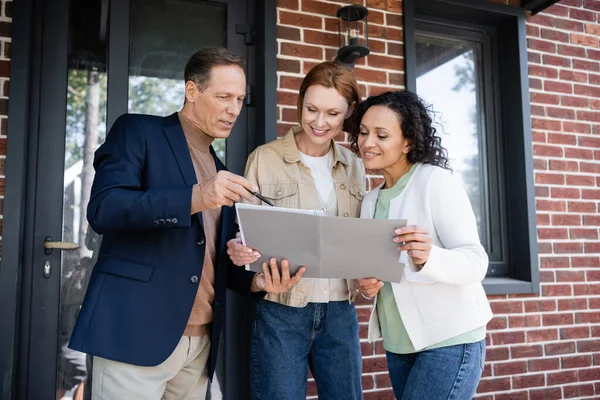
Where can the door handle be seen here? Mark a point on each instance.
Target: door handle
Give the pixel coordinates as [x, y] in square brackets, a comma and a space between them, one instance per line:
[50, 245]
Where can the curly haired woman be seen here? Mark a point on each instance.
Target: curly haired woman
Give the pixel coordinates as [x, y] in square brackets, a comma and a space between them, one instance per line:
[432, 322]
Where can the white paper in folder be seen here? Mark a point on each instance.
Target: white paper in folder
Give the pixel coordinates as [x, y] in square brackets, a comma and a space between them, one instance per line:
[329, 247]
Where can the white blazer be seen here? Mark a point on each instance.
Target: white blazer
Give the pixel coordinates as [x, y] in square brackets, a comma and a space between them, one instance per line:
[445, 298]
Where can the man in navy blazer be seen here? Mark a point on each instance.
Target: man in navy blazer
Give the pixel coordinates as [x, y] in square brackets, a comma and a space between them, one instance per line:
[148, 203]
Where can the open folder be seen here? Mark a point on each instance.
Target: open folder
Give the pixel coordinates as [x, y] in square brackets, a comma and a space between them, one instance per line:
[329, 247]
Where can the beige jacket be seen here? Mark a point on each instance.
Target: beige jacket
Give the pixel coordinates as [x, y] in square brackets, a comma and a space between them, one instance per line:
[282, 178]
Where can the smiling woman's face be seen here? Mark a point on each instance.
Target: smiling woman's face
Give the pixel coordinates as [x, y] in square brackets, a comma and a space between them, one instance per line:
[323, 113]
[381, 142]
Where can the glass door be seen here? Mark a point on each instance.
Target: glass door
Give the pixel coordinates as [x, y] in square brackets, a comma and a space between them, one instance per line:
[100, 59]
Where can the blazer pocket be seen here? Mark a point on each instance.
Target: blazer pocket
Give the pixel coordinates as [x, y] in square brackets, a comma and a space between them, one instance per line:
[126, 268]
[281, 194]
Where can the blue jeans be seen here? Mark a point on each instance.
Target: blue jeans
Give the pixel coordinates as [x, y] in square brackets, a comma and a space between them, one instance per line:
[451, 372]
[286, 341]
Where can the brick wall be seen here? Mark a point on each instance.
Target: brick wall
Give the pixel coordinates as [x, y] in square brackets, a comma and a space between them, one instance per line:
[549, 346]
[5, 21]
[545, 346]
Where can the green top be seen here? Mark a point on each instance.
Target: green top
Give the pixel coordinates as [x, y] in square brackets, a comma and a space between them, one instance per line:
[395, 337]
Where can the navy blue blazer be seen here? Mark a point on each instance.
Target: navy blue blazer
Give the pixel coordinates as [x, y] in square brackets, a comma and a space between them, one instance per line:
[144, 283]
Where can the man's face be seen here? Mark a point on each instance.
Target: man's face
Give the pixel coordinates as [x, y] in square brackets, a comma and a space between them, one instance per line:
[216, 108]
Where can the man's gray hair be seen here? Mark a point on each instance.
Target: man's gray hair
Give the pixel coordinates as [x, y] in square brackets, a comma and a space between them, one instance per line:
[201, 63]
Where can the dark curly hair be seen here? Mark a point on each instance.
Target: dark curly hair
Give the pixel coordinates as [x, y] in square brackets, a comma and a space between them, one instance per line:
[416, 124]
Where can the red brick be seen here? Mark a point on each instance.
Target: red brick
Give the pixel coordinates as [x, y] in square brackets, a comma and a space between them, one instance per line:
[561, 165]
[591, 220]
[497, 323]
[532, 31]
[507, 307]
[290, 82]
[544, 98]
[571, 304]
[582, 15]
[561, 87]
[547, 276]
[319, 7]
[392, 19]
[544, 72]
[586, 65]
[579, 153]
[587, 317]
[551, 34]
[540, 306]
[579, 332]
[497, 354]
[550, 233]
[544, 248]
[569, 101]
[566, 219]
[571, 51]
[570, 276]
[535, 83]
[591, 374]
[379, 395]
[578, 391]
[300, 20]
[558, 10]
[510, 396]
[368, 382]
[553, 349]
[522, 321]
[510, 368]
[286, 65]
[527, 351]
[387, 5]
[541, 335]
[508, 337]
[301, 51]
[576, 362]
[395, 49]
[584, 40]
[560, 378]
[521, 382]
[590, 194]
[543, 364]
[562, 248]
[541, 19]
[385, 62]
[545, 394]
[289, 4]
[548, 59]
[547, 151]
[557, 319]
[576, 127]
[568, 25]
[321, 38]
[541, 45]
[493, 385]
[582, 207]
[288, 33]
[593, 116]
[592, 276]
[383, 381]
[376, 364]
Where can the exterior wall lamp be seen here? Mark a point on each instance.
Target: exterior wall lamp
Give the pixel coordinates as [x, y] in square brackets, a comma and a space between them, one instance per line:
[353, 34]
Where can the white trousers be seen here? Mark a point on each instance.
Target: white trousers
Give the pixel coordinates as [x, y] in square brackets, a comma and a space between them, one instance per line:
[182, 376]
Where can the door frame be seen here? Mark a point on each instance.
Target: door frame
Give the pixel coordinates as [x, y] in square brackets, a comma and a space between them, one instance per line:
[18, 242]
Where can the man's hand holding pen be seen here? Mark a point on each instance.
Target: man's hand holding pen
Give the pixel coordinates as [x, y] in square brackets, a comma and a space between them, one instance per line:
[224, 189]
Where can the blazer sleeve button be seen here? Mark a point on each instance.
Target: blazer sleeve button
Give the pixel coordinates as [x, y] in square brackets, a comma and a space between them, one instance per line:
[194, 279]
[174, 220]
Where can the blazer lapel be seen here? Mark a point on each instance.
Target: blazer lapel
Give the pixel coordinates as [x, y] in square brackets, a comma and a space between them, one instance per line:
[176, 138]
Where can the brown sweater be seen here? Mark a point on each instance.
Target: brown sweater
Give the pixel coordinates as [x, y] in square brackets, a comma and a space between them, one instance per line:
[204, 166]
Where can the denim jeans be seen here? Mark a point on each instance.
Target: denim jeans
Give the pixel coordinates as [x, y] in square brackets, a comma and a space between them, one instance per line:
[286, 341]
[451, 372]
